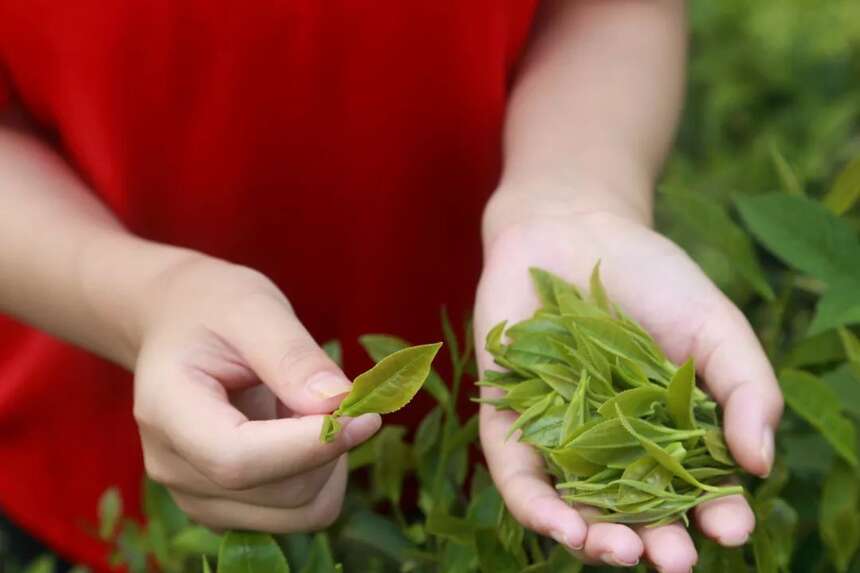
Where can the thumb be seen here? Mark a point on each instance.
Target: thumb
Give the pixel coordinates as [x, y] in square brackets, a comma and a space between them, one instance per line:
[281, 352]
[738, 374]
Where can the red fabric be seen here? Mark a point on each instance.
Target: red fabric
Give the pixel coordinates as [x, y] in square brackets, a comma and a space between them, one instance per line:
[344, 148]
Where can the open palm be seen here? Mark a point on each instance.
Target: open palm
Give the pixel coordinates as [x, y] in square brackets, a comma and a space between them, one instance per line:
[655, 283]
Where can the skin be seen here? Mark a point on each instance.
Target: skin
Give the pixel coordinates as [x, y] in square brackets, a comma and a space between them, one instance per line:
[590, 121]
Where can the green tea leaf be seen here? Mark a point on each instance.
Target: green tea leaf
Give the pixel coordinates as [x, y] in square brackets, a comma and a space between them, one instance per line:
[457, 529]
[813, 351]
[846, 190]
[851, 344]
[330, 427]
[159, 506]
[790, 182]
[533, 412]
[716, 446]
[374, 531]
[196, 540]
[206, 567]
[612, 338]
[244, 552]
[773, 541]
[492, 556]
[679, 397]
[379, 346]
[429, 432]
[548, 286]
[392, 457]
[635, 403]
[44, 564]
[815, 402]
[390, 384]
[839, 519]
[839, 306]
[577, 410]
[110, 512]
[845, 382]
[803, 234]
[320, 558]
[597, 292]
[711, 224]
[668, 461]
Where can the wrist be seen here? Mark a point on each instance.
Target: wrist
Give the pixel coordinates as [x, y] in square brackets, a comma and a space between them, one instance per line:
[517, 205]
[119, 275]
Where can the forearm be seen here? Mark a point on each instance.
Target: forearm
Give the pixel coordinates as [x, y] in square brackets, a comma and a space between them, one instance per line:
[66, 264]
[594, 109]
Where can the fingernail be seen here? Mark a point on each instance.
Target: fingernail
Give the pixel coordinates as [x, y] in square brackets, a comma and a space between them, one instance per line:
[558, 536]
[327, 385]
[767, 450]
[737, 541]
[357, 430]
[615, 561]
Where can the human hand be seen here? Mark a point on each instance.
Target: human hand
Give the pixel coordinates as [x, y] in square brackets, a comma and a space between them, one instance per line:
[229, 392]
[655, 283]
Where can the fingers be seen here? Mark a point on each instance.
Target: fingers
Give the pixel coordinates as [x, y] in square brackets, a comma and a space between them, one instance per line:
[613, 544]
[321, 512]
[171, 471]
[669, 548]
[283, 354]
[740, 377]
[728, 520]
[521, 477]
[198, 422]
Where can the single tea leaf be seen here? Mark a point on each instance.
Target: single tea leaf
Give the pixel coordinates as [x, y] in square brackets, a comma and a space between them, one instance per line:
[386, 387]
[392, 383]
[245, 551]
[816, 402]
[680, 396]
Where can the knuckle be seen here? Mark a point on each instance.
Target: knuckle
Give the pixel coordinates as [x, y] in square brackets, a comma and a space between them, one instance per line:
[304, 489]
[157, 471]
[325, 512]
[227, 471]
[299, 356]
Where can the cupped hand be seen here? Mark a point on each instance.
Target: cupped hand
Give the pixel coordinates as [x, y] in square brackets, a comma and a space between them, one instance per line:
[654, 282]
[229, 392]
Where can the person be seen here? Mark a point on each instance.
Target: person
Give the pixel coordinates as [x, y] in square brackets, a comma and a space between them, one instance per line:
[190, 190]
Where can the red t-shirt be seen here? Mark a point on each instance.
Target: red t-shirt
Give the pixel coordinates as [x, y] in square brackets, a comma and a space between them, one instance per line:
[343, 148]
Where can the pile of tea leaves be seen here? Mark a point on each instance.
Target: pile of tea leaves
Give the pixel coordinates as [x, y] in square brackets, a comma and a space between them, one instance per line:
[620, 426]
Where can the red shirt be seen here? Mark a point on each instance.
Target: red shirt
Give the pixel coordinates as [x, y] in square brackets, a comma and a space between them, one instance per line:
[344, 148]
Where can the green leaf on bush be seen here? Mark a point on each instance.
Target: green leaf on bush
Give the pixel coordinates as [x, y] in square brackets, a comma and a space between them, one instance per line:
[846, 190]
[710, 223]
[804, 234]
[816, 402]
[840, 514]
[110, 511]
[839, 306]
[320, 558]
[196, 540]
[247, 552]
